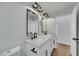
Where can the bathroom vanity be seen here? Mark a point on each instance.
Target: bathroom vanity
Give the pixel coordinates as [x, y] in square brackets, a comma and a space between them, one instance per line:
[44, 43]
[41, 46]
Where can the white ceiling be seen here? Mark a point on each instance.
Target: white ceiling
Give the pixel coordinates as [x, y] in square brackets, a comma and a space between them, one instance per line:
[55, 6]
[55, 9]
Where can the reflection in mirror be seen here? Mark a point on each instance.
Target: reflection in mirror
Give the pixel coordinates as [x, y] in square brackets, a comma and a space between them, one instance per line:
[44, 26]
[32, 22]
[49, 25]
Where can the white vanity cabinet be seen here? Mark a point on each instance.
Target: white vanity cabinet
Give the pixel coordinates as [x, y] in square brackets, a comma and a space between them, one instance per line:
[42, 46]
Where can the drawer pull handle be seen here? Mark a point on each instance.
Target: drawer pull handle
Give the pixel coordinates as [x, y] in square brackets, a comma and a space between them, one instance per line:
[75, 39]
[33, 50]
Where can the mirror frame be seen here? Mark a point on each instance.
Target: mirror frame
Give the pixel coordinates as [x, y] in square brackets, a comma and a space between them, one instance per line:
[39, 19]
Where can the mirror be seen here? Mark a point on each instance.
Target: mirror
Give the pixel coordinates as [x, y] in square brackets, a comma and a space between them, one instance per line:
[32, 22]
[44, 25]
[49, 25]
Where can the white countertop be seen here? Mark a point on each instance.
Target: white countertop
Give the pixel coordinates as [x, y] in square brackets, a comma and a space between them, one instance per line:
[39, 40]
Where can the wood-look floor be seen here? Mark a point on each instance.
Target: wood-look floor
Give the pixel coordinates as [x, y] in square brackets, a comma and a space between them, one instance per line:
[61, 50]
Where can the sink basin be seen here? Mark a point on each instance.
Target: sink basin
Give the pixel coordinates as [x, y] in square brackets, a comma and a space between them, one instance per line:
[40, 40]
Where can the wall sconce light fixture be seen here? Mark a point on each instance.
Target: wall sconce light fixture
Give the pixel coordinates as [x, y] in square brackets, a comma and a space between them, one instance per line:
[39, 9]
[46, 15]
[35, 6]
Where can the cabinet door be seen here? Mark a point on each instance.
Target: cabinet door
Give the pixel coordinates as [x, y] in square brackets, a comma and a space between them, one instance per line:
[47, 47]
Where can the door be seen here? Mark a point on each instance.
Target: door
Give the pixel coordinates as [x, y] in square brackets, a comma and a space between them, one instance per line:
[77, 39]
[74, 33]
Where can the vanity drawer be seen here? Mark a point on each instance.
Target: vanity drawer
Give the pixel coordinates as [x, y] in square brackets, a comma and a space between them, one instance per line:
[32, 50]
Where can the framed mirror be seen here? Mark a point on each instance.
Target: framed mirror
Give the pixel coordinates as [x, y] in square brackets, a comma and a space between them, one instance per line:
[44, 26]
[49, 25]
[32, 22]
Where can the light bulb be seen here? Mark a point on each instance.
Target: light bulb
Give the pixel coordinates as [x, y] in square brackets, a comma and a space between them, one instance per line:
[39, 10]
[35, 6]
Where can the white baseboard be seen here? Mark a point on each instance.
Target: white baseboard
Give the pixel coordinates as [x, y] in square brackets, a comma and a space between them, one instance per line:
[63, 42]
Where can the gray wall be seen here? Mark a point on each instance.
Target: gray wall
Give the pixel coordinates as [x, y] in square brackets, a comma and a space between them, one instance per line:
[64, 29]
[12, 24]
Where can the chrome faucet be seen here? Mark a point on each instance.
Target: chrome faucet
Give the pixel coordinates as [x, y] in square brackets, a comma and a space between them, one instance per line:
[35, 35]
[32, 36]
